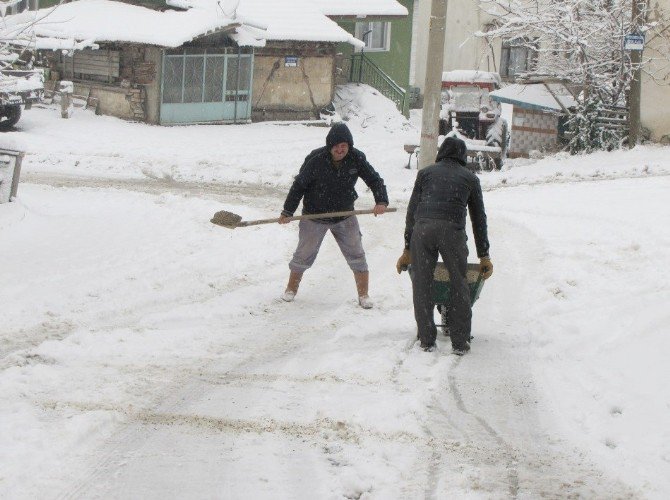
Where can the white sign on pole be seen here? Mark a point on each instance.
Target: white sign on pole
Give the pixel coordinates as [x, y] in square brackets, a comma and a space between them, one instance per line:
[633, 42]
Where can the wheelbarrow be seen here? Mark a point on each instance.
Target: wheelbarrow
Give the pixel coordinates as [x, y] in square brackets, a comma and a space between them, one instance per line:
[442, 290]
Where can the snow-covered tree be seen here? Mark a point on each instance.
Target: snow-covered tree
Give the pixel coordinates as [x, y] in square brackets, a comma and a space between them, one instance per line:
[579, 41]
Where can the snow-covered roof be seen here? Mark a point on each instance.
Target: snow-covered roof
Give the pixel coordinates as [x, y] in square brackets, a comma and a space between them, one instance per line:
[295, 20]
[251, 23]
[361, 8]
[533, 96]
[471, 76]
[109, 21]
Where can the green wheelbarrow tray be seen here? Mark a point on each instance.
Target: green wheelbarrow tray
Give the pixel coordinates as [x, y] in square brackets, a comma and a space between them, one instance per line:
[442, 290]
[442, 286]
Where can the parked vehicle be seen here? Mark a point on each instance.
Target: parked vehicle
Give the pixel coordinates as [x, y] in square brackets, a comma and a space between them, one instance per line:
[468, 109]
[18, 88]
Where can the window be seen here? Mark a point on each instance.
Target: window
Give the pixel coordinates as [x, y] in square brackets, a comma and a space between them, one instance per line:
[517, 57]
[377, 37]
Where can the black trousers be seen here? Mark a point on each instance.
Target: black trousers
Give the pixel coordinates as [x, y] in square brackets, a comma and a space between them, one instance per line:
[431, 237]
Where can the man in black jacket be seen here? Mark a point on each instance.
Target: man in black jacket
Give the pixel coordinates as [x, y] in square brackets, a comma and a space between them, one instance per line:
[326, 183]
[443, 192]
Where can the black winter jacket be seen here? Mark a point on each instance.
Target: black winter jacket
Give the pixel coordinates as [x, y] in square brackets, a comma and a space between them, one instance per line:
[447, 190]
[326, 188]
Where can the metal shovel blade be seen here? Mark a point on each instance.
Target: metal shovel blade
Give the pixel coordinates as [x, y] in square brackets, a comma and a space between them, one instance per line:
[226, 219]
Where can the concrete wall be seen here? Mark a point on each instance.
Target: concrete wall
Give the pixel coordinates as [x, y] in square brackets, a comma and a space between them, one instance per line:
[153, 89]
[112, 100]
[461, 49]
[282, 92]
[655, 103]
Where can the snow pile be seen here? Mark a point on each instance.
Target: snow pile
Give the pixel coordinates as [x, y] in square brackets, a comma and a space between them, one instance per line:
[471, 76]
[361, 9]
[34, 80]
[535, 96]
[296, 20]
[365, 107]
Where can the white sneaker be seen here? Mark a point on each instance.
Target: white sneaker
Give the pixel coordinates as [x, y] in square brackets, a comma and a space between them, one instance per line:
[365, 302]
[288, 296]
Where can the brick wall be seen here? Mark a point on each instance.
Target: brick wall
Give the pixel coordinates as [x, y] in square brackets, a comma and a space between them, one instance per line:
[532, 130]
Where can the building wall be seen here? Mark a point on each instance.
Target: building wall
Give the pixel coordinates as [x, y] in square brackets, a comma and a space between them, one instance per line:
[532, 130]
[396, 61]
[461, 49]
[285, 92]
[656, 91]
[125, 96]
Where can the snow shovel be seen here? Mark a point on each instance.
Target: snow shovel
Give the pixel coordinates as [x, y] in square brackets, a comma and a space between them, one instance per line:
[231, 220]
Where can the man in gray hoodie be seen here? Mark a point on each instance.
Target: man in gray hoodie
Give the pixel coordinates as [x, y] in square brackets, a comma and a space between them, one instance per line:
[443, 193]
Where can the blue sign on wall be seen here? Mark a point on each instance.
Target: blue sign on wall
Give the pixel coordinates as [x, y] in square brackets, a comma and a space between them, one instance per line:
[291, 61]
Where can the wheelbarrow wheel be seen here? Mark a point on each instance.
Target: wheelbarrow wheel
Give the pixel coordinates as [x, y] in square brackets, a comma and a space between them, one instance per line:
[442, 309]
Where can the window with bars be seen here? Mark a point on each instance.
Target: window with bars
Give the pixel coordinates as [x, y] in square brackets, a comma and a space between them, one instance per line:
[206, 77]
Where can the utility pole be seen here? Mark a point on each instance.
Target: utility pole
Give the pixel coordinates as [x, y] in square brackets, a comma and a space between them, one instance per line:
[635, 95]
[432, 88]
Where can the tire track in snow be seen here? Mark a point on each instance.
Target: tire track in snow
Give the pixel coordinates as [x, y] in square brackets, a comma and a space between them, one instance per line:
[133, 434]
[216, 190]
[489, 409]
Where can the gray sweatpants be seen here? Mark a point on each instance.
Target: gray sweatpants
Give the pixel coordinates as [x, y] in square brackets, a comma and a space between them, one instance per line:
[347, 234]
[430, 237]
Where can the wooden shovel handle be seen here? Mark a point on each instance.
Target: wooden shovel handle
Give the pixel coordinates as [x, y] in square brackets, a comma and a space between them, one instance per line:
[326, 215]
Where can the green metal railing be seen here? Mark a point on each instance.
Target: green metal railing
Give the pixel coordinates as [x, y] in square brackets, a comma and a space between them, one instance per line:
[363, 70]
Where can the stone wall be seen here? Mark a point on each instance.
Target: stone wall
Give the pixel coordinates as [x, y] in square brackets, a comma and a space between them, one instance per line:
[127, 95]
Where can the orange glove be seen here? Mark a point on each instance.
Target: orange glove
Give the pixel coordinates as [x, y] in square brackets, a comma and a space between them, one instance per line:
[486, 267]
[403, 261]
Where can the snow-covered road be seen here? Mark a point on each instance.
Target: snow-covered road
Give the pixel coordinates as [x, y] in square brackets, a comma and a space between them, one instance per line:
[144, 352]
[181, 375]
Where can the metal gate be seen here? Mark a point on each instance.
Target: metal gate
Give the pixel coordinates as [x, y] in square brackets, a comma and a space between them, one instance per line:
[206, 85]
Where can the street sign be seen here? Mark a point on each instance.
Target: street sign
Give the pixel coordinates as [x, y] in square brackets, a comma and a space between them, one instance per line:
[633, 42]
[291, 61]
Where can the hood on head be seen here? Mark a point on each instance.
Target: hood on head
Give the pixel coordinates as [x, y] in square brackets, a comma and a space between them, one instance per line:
[453, 148]
[339, 133]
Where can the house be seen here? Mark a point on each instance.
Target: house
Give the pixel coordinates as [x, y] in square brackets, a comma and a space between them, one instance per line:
[462, 50]
[655, 93]
[538, 112]
[512, 56]
[202, 63]
[294, 75]
[385, 26]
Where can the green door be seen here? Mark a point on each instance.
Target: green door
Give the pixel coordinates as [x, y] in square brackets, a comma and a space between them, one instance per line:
[201, 86]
